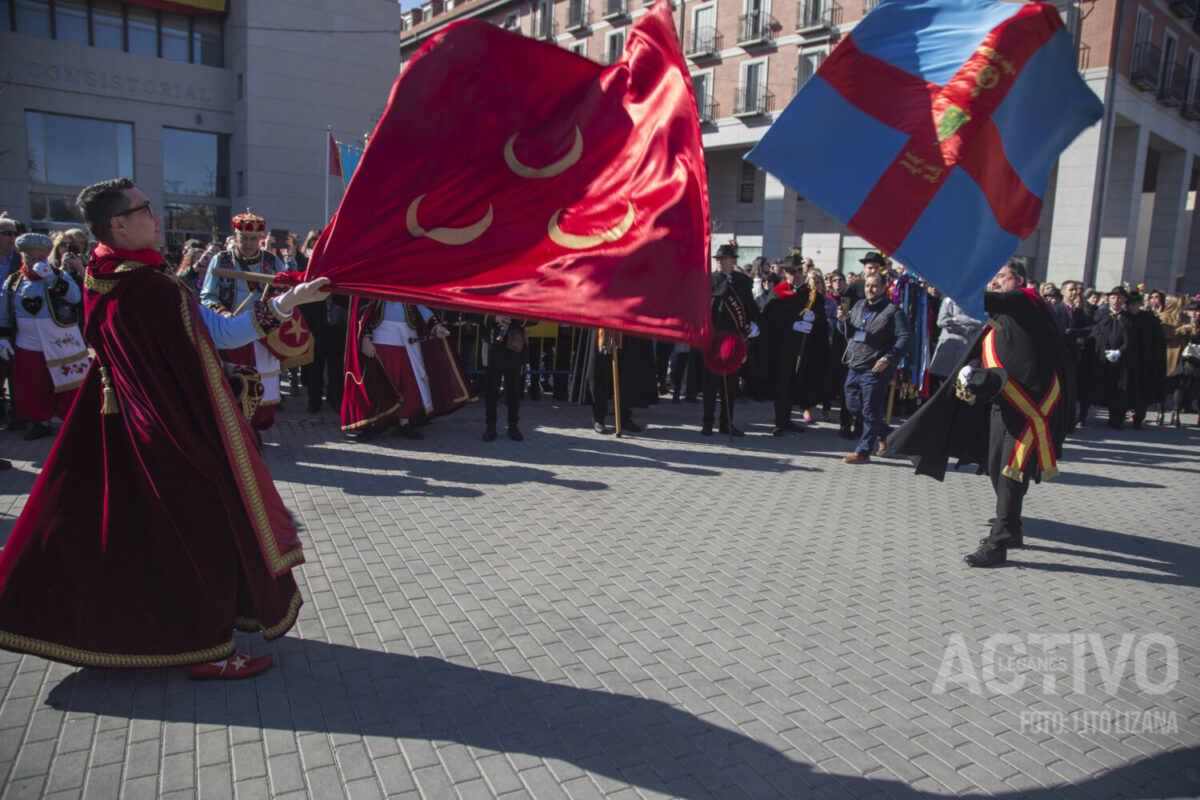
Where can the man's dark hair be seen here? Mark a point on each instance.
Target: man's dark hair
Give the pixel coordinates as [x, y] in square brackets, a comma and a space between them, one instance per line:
[99, 203]
[1018, 268]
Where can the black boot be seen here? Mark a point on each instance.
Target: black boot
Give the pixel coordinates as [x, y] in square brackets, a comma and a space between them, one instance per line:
[986, 555]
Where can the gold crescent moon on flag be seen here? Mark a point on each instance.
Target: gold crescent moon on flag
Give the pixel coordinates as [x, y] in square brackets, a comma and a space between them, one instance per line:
[573, 241]
[446, 235]
[548, 171]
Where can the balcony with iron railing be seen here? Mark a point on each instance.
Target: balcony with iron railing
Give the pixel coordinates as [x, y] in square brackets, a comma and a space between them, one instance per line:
[1174, 85]
[615, 8]
[869, 6]
[1191, 103]
[710, 110]
[817, 16]
[752, 102]
[579, 16]
[1183, 8]
[1085, 56]
[755, 28]
[1144, 67]
[704, 43]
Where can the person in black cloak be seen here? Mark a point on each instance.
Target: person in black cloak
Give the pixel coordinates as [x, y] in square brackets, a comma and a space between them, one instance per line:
[1007, 408]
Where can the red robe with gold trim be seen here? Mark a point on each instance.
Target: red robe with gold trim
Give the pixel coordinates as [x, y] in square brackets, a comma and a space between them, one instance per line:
[370, 394]
[154, 528]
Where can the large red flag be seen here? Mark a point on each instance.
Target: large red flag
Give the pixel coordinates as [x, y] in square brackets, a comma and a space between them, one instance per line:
[510, 176]
[335, 159]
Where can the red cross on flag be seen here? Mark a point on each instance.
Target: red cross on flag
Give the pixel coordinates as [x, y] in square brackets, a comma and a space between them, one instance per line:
[932, 131]
[510, 176]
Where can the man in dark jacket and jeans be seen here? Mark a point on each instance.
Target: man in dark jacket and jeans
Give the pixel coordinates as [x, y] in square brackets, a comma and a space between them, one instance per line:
[877, 336]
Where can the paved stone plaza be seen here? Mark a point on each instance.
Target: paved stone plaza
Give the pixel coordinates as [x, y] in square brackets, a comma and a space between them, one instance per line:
[667, 616]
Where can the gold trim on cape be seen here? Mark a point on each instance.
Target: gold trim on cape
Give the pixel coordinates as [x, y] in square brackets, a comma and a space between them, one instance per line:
[227, 418]
[91, 658]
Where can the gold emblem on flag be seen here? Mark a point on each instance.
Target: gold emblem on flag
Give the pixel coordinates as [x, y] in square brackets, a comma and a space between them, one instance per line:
[548, 171]
[454, 236]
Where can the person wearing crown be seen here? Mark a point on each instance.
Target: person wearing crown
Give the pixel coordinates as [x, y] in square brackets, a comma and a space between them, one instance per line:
[231, 298]
[39, 331]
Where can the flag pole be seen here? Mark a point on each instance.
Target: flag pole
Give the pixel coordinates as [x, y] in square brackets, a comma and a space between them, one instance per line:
[616, 390]
[325, 147]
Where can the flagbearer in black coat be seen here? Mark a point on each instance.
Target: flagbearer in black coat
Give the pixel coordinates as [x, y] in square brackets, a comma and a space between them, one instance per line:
[1008, 410]
[506, 349]
[1114, 358]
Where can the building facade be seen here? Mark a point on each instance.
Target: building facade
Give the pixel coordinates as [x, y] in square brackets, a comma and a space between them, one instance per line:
[212, 106]
[1120, 206]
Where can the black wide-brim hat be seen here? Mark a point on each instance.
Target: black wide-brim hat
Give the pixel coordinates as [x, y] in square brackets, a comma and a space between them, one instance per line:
[1121, 290]
[726, 250]
[873, 257]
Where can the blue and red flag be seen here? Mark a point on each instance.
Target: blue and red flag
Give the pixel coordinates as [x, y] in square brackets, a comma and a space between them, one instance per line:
[932, 130]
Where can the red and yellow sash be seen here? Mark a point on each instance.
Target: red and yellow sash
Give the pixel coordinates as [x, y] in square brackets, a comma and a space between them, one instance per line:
[1037, 427]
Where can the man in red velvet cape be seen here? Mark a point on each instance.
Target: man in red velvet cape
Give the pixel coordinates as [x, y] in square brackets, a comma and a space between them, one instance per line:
[154, 528]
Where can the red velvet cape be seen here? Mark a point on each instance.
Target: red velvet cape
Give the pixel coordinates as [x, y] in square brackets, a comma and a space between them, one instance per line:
[154, 528]
[369, 395]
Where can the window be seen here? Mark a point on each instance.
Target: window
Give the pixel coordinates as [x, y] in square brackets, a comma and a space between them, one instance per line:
[108, 25]
[195, 163]
[77, 151]
[579, 48]
[752, 88]
[702, 83]
[1145, 26]
[70, 153]
[71, 21]
[614, 46]
[746, 184]
[183, 221]
[545, 20]
[126, 27]
[809, 63]
[1193, 72]
[175, 37]
[1170, 46]
[207, 43]
[704, 31]
[513, 22]
[33, 17]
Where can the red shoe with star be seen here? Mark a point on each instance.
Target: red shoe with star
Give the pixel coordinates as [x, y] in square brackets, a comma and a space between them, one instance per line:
[236, 666]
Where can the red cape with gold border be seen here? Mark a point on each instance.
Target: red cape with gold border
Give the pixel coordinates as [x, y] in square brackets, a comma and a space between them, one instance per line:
[369, 395]
[154, 528]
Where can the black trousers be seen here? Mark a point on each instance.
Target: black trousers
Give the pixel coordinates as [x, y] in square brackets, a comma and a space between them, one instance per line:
[717, 385]
[1010, 494]
[324, 375]
[503, 363]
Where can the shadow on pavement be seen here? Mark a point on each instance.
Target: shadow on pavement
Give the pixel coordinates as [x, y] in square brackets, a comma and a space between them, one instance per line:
[1157, 561]
[329, 688]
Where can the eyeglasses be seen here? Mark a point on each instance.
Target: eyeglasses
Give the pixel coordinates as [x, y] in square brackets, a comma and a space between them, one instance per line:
[144, 206]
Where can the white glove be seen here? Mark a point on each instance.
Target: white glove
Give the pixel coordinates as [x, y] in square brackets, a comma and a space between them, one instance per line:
[809, 316]
[754, 331]
[43, 269]
[802, 327]
[1112, 355]
[6, 349]
[962, 386]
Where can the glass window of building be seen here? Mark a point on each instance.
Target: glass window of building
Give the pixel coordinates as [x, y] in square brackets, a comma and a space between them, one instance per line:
[5, 15]
[143, 31]
[207, 46]
[68, 153]
[175, 37]
[77, 151]
[71, 21]
[108, 25]
[195, 163]
[203, 221]
[33, 17]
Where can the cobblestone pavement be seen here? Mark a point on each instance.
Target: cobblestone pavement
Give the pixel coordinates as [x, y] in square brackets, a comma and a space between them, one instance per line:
[667, 615]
